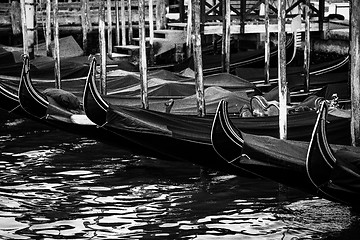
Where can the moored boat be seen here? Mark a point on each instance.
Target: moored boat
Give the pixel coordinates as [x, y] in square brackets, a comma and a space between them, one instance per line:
[333, 169]
[296, 164]
[169, 134]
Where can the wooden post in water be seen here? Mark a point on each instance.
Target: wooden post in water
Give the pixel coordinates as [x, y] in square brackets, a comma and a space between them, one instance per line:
[130, 36]
[30, 26]
[48, 28]
[109, 27]
[56, 44]
[282, 70]
[117, 22]
[123, 22]
[267, 43]
[355, 71]
[142, 57]
[15, 17]
[24, 28]
[225, 59]
[151, 32]
[307, 47]
[189, 31]
[85, 24]
[160, 14]
[102, 45]
[196, 37]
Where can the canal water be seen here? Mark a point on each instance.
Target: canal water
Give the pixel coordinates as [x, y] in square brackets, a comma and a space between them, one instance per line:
[55, 185]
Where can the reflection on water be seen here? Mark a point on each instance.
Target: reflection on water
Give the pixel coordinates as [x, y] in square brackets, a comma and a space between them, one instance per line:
[55, 185]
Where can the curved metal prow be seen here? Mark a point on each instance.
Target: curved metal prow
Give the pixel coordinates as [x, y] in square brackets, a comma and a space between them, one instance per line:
[297, 44]
[30, 99]
[95, 106]
[225, 138]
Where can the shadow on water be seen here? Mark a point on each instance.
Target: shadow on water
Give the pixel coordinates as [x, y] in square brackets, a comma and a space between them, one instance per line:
[55, 185]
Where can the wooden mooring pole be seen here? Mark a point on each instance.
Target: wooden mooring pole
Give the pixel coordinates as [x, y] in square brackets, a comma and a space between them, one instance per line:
[28, 14]
[48, 28]
[56, 44]
[117, 22]
[151, 33]
[85, 24]
[142, 56]
[28, 26]
[196, 39]
[189, 32]
[123, 22]
[24, 28]
[307, 47]
[102, 45]
[267, 43]
[355, 71]
[282, 70]
[109, 27]
[225, 59]
[130, 25]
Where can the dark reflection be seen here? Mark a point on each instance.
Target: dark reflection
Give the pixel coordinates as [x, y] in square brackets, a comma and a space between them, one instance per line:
[55, 185]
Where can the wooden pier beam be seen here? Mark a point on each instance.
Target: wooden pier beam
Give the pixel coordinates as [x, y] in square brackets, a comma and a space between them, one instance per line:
[142, 56]
[282, 70]
[225, 59]
[355, 71]
[199, 78]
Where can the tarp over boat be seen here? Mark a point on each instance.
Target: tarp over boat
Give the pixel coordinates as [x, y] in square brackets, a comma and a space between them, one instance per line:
[166, 83]
[42, 67]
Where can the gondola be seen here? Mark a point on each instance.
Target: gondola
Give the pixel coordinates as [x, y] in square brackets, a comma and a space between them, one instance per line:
[254, 59]
[333, 170]
[186, 137]
[61, 110]
[283, 161]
